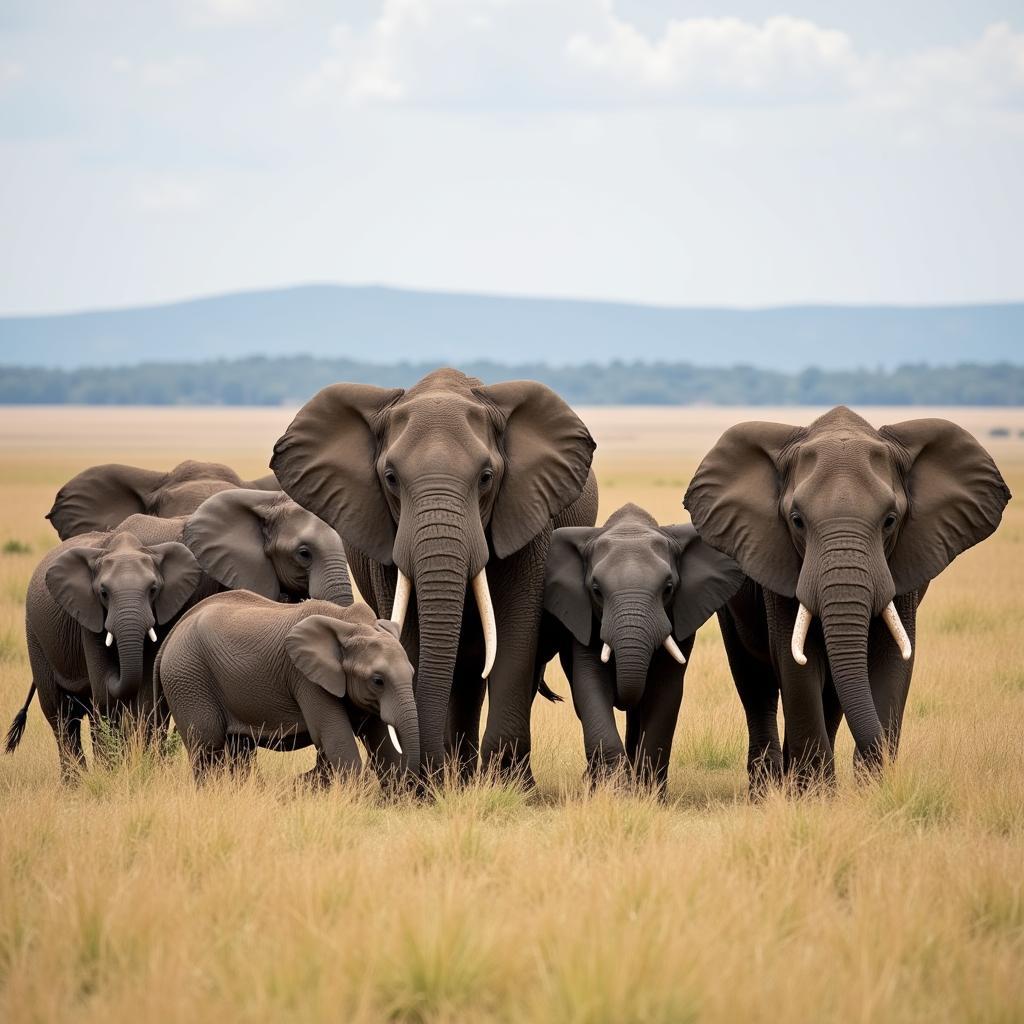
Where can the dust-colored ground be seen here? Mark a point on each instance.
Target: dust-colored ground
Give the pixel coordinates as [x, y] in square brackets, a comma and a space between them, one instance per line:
[135, 897]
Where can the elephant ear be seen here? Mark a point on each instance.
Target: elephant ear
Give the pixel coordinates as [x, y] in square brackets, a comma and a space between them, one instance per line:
[69, 581]
[955, 497]
[326, 461]
[226, 535]
[263, 483]
[316, 647]
[733, 500]
[707, 579]
[390, 627]
[548, 451]
[565, 584]
[180, 574]
[101, 497]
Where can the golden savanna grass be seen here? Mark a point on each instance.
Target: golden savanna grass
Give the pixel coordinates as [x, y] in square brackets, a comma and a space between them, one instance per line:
[135, 897]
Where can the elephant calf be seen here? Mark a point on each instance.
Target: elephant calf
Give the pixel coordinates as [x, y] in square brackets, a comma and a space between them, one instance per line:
[629, 597]
[240, 671]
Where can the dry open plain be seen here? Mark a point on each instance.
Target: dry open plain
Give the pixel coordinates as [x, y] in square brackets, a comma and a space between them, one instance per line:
[134, 897]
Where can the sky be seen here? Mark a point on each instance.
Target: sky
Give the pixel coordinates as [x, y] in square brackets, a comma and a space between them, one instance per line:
[743, 154]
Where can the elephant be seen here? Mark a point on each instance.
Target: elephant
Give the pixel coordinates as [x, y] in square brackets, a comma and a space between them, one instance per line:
[101, 497]
[257, 540]
[629, 597]
[92, 603]
[445, 484]
[239, 671]
[840, 528]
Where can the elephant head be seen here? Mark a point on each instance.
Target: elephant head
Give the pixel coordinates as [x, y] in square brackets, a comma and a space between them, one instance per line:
[647, 586]
[124, 588]
[101, 497]
[265, 542]
[436, 480]
[361, 659]
[844, 517]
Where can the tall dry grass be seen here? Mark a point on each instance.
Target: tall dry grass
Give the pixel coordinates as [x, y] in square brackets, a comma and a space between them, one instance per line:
[136, 897]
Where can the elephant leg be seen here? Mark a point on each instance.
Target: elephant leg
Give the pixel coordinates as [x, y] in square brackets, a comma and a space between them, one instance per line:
[758, 691]
[517, 593]
[330, 730]
[833, 711]
[593, 695]
[462, 742]
[61, 709]
[657, 716]
[808, 755]
[382, 757]
[241, 754]
[890, 674]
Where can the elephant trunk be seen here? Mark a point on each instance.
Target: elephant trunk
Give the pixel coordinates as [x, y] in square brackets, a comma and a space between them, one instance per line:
[847, 594]
[405, 721]
[636, 629]
[129, 621]
[329, 580]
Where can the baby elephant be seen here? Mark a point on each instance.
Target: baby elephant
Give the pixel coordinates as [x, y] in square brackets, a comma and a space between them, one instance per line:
[630, 596]
[240, 671]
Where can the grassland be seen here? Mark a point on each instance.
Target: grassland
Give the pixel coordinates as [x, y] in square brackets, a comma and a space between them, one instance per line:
[135, 897]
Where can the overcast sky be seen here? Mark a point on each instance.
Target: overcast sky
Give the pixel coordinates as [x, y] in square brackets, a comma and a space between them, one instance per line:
[682, 153]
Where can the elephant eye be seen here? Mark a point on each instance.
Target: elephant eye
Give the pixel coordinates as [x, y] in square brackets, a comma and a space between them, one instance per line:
[669, 588]
[391, 478]
[377, 681]
[104, 593]
[486, 477]
[153, 588]
[797, 520]
[595, 588]
[889, 522]
[304, 554]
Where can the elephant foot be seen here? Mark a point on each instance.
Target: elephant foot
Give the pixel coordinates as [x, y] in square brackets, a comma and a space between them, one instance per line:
[764, 776]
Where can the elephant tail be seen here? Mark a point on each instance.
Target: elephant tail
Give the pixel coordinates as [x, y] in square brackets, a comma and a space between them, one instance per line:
[17, 729]
[548, 694]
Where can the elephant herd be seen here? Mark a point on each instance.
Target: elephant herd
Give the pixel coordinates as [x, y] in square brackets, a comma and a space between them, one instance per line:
[466, 514]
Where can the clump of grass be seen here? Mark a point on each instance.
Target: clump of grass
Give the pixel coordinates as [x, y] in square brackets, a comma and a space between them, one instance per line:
[13, 546]
[713, 748]
[914, 797]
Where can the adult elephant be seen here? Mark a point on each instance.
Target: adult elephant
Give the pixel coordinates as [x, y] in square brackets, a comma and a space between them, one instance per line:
[427, 487]
[101, 497]
[840, 528]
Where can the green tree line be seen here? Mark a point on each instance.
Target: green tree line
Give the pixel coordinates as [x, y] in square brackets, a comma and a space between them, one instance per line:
[291, 380]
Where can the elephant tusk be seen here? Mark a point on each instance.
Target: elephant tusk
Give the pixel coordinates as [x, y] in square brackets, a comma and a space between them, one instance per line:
[673, 648]
[110, 638]
[800, 627]
[606, 653]
[393, 733]
[891, 617]
[401, 604]
[483, 602]
[152, 634]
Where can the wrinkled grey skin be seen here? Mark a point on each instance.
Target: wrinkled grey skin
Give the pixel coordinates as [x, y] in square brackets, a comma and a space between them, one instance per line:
[260, 541]
[102, 497]
[441, 481]
[843, 518]
[631, 584]
[82, 589]
[240, 671]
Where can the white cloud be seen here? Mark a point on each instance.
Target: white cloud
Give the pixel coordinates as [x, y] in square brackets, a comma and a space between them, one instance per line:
[233, 12]
[169, 73]
[560, 52]
[162, 195]
[10, 71]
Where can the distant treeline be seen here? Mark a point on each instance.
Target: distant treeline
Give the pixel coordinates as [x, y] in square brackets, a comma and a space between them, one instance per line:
[290, 380]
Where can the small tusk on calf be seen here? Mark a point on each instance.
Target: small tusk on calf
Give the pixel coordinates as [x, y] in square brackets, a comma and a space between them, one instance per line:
[800, 627]
[891, 617]
[401, 605]
[606, 653]
[392, 732]
[152, 634]
[483, 602]
[673, 648]
[110, 638]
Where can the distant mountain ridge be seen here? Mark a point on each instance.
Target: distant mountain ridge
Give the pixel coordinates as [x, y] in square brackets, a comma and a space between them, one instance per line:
[388, 325]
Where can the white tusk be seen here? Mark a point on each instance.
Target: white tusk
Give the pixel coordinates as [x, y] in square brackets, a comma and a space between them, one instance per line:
[606, 653]
[483, 602]
[891, 618]
[673, 648]
[394, 738]
[152, 634]
[800, 627]
[110, 638]
[401, 605]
